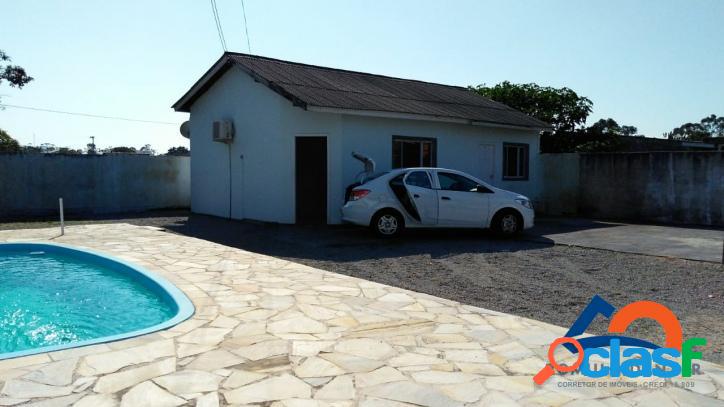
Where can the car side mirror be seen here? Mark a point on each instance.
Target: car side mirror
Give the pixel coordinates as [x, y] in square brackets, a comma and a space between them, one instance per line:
[483, 189]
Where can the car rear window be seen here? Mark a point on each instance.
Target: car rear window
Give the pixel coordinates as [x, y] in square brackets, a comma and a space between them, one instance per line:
[419, 179]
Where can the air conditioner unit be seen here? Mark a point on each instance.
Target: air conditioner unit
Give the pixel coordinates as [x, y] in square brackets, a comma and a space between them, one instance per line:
[223, 131]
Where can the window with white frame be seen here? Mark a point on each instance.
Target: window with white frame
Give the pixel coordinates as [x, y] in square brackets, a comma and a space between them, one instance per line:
[515, 161]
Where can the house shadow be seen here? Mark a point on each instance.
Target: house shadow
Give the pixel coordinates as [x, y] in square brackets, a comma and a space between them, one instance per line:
[346, 243]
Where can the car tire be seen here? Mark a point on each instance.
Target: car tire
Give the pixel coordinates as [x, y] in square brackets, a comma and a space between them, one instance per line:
[387, 223]
[507, 223]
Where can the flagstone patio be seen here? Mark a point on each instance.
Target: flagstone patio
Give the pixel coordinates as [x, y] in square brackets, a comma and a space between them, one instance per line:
[271, 332]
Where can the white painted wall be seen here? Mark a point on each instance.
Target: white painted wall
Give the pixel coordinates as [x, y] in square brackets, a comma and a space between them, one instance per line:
[262, 154]
[261, 158]
[458, 147]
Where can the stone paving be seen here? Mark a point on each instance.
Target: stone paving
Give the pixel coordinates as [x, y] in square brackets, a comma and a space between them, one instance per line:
[269, 332]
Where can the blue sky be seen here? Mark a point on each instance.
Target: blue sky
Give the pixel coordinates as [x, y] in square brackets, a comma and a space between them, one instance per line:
[651, 64]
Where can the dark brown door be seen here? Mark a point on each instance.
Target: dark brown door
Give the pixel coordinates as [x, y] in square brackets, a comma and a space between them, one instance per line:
[311, 180]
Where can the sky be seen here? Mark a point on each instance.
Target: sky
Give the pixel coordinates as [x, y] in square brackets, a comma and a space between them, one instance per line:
[653, 64]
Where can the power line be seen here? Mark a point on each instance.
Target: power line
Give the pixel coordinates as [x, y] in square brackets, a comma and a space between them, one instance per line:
[96, 116]
[246, 27]
[219, 29]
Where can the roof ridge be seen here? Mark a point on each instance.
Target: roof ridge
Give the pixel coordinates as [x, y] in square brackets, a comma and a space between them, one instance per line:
[327, 68]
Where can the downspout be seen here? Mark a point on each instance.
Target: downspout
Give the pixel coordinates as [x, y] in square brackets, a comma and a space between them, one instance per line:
[230, 183]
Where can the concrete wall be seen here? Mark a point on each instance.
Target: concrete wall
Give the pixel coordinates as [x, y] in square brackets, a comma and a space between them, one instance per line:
[669, 187]
[681, 187]
[253, 177]
[560, 181]
[30, 185]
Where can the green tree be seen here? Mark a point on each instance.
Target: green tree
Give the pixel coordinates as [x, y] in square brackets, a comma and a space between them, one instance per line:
[178, 151]
[7, 143]
[122, 149]
[714, 125]
[611, 127]
[69, 151]
[562, 108]
[710, 126]
[13, 74]
[31, 150]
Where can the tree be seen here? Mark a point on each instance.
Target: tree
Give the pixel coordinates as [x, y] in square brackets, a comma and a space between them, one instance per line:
[69, 151]
[121, 149]
[611, 127]
[13, 74]
[31, 150]
[562, 108]
[710, 126]
[714, 125]
[179, 151]
[7, 143]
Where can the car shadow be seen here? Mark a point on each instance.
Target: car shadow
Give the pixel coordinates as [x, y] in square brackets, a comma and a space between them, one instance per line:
[344, 243]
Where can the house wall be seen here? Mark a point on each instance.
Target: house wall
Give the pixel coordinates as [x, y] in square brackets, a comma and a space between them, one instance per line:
[258, 167]
[31, 184]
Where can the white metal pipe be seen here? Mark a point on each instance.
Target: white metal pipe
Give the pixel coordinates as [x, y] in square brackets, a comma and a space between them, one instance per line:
[62, 217]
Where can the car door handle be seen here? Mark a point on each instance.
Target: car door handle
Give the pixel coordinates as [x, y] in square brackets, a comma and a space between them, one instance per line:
[445, 198]
[416, 196]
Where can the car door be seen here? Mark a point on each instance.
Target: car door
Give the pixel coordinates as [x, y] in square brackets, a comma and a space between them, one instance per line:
[419, 187]
[460, 202]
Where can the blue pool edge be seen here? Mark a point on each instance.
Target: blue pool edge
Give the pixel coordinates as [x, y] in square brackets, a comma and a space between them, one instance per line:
[185, 308]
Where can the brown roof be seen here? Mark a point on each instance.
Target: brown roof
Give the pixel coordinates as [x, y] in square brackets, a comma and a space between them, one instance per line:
[310, 86]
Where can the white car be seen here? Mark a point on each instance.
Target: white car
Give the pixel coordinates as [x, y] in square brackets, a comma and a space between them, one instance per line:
[435, 197]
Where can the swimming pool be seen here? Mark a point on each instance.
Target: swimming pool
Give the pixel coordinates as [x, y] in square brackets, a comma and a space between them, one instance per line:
[55, 297]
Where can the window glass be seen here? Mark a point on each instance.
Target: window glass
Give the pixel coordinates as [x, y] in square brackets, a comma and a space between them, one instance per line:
[455, 182]
[411, 154]
[408, 152]
[418, 179]
[515, 161]
[427, 155]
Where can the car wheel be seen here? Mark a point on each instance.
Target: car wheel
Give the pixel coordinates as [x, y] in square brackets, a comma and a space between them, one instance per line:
[507, 223]
[387, 223]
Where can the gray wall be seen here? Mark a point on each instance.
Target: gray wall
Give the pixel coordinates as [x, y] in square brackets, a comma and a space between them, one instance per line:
[560, 184]
[676, 187]
[30, 185]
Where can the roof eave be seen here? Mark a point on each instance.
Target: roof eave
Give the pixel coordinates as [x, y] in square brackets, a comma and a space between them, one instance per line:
[220, 67]
[414, 116]
[540, 127]
[208, 78]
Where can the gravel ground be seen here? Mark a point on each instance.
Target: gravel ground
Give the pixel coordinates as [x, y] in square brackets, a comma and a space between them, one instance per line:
[528, 278]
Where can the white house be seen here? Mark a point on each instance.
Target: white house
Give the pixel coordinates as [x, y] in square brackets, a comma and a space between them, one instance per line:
[295, 127]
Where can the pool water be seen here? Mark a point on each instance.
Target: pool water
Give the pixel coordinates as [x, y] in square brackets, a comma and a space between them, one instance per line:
[57, 297]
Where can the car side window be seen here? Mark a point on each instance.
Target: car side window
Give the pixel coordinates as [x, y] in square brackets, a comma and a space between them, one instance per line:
[454, 182]
[419, 179]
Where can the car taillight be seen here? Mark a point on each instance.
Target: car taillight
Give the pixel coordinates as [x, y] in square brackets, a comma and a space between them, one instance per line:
[358, 194]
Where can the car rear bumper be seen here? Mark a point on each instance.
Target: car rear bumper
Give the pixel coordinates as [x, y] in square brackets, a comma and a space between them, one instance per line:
[353, 212]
